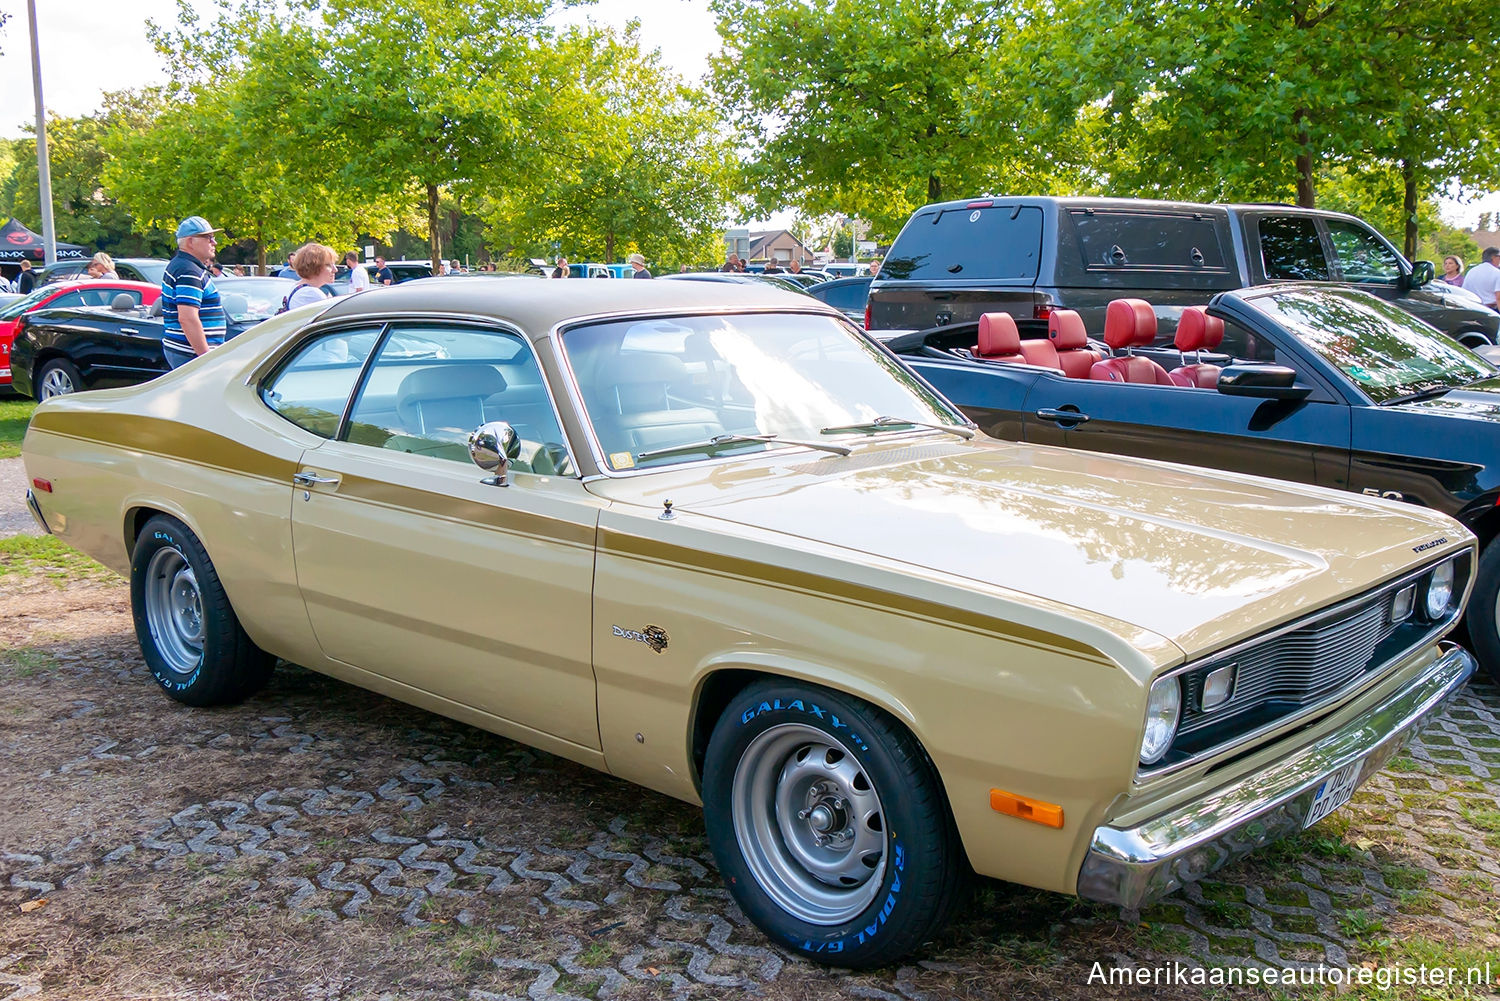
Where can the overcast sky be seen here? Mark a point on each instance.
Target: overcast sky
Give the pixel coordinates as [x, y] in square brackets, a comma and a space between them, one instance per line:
[90, 46]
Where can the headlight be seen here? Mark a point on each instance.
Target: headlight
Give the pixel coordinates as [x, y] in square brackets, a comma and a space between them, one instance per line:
[1163, 710]
[1440, 590]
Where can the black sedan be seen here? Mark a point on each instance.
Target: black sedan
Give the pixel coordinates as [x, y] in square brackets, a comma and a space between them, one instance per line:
[60, 351]
[1322, 385]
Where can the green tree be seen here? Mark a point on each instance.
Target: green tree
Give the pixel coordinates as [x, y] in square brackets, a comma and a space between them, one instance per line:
[640, 166]
[862, 108]
[84, 210]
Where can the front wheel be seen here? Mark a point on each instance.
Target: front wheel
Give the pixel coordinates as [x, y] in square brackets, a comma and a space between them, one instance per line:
[192, 641]
[1484, 611]
[829, 825]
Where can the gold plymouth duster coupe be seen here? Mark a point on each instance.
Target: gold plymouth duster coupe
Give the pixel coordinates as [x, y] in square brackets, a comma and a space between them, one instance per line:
[723, 545]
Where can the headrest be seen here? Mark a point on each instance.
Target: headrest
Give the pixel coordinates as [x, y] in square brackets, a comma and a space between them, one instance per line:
[1065, 328]
[442, 382]
[998, 335]
[1129, 323]
[155, 309]
[122, 301]
[649, 367]
[1197, 331]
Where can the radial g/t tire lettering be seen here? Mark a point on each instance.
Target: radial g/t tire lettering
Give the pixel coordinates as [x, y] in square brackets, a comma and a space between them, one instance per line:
[829, 825]
[191, 639]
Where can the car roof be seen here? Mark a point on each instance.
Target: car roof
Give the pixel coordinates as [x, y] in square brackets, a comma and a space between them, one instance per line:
[537, 307]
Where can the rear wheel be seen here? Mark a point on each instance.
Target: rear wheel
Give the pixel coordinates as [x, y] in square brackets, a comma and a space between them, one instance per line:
[1484, 611]
[192, 641]
[57, 377]
[829, 825]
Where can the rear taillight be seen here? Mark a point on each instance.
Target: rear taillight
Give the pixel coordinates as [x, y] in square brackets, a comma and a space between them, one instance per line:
[1042, 311]
[867, 314]
[981, 204]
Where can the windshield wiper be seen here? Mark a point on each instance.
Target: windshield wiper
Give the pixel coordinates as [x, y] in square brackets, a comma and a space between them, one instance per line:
[891, 423]
[1421, 394]
[719, 441]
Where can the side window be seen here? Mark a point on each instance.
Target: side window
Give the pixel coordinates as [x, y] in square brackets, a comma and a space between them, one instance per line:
[1362, 256]
[312, 388]
[1239, 343]
[1290, 249]
[66, 301]
[431, 385]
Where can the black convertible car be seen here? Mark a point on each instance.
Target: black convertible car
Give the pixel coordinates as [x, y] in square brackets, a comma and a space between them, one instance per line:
[60, 351]
[1323, 385]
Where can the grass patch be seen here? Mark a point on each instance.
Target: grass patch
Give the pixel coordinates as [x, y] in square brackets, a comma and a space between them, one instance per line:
[1485, 820]
[15, 414]
[26, 662]
[1463, 969]
[1403, 877]
[46, 556]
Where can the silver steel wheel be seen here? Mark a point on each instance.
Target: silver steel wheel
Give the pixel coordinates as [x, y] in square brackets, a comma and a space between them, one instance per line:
[809, 824]
[57, 382]
[174, 610]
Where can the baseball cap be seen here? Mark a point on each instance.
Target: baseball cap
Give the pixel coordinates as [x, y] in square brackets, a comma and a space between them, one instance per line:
[194, 225]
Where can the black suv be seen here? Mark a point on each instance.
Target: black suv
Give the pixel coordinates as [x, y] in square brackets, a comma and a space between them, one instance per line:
[1027, 256]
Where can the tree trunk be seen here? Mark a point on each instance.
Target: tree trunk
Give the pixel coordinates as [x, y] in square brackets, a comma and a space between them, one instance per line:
[1409, 208]
[609, 247]
[1306, 196]
[934, 189]
[434, 236]
[260, 249]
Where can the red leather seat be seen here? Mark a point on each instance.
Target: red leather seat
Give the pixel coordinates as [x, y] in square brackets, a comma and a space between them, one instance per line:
[1130, 323]
[1197, 331]
[999, 340]
[1066, 333]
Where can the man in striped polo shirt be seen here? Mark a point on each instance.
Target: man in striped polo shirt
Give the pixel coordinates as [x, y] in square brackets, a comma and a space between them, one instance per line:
[190, 303]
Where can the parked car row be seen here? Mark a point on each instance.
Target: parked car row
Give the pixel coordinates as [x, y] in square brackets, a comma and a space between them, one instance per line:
[766, 566]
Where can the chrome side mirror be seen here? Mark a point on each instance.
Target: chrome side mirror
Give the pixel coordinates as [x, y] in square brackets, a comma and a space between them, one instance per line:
[492, 445]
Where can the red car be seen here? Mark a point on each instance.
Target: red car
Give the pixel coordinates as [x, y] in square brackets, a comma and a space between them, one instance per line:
[59, 295]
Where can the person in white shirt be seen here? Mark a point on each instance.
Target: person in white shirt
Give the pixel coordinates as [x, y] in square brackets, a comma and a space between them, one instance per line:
[313, 263]
[1483, 278]
[359, 278]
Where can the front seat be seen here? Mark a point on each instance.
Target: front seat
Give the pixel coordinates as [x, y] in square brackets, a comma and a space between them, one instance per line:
[446, 398]
[1130, 323]
[1197, 331]
[644, 415]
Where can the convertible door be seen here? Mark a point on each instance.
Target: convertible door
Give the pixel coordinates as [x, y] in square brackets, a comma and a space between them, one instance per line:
[416, 571]
[1305, 441]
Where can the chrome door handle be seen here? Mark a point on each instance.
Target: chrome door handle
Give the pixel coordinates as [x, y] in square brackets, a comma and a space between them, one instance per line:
[1063, 416]
[308, 479]
[129, 330]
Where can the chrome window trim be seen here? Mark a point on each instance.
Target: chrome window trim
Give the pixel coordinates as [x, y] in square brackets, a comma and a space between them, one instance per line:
[575, 394]
[1146, 775]
[384, 322]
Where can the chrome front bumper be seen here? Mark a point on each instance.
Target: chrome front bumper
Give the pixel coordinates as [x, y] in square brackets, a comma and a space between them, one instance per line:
[36, 512]
[1133, 866]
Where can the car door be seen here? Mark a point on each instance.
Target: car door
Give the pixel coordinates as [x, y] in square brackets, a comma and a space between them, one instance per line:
[1305, 440]
[414, 569]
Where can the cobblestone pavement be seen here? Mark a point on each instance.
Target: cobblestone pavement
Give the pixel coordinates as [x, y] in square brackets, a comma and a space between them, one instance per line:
[14, 518]
[345, 809]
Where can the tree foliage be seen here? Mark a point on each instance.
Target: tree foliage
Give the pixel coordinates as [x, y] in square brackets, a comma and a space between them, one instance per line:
[639, 165]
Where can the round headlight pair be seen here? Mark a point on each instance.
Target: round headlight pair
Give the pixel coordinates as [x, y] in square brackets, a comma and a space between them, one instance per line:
[1163, 711]
[1439, 590]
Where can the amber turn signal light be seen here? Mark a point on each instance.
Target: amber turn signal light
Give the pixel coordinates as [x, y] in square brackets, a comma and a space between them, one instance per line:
[1026, 808]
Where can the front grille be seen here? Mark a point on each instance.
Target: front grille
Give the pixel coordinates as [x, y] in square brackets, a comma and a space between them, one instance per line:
[1299, 667]
[1308, 664]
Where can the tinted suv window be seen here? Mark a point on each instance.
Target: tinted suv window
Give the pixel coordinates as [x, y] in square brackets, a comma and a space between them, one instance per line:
[1361, 255]
[1291, 250]
[1001, 241]
[1138, 240]
[850, 296]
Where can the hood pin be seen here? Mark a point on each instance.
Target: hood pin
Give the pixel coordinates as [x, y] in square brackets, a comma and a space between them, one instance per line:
[666, 514]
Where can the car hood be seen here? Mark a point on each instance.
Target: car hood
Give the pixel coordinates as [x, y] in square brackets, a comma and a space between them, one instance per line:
[1199, 557]
[1481, 401]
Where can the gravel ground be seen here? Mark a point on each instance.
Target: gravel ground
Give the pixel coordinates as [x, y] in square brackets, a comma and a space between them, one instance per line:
[14, 518]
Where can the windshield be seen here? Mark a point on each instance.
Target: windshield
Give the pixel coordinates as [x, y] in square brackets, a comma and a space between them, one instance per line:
[253, 298]
[15, 309]
[151, 271]
[1384, 350]
[649, 385]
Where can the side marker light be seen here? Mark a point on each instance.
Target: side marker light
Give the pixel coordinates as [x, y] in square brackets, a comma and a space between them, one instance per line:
[1026, 808]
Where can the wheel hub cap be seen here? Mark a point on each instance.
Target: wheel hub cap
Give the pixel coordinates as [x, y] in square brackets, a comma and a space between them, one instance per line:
[174, 611]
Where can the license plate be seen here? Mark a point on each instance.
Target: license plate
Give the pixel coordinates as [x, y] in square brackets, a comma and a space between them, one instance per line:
[1334, 792]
